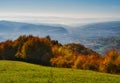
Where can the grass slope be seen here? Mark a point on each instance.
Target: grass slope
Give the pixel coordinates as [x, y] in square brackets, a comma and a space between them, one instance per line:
[21, 72]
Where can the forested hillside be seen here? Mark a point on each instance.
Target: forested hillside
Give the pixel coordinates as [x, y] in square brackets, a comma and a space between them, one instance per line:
[45, 51]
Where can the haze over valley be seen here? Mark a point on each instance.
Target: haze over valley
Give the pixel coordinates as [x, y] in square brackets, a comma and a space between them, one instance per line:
[87, 34]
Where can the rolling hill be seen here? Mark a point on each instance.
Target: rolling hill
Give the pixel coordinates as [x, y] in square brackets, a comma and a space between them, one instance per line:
[92, 35]
[103, 45]
[17, 72]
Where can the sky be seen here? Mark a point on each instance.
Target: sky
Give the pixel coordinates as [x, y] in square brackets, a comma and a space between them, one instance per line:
[60, 11]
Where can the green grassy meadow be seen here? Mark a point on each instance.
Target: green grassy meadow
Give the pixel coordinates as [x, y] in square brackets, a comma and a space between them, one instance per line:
[21, 72]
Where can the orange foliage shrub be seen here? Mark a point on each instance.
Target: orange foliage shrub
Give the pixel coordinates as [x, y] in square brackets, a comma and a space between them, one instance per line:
[59, 62]
[80, 61]
[62, 57]
[111, 62]
[90, 62]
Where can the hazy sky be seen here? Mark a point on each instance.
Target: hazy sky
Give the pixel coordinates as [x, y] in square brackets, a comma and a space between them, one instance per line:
[60, 11]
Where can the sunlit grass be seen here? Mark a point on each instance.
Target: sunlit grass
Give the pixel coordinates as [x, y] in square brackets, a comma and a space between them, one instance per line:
[21, 72]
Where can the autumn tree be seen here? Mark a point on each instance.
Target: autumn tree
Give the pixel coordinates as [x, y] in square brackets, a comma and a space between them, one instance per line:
[37, 50]
[7, 50]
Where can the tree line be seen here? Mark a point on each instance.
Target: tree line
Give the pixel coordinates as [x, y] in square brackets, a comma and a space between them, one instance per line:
[45, 51]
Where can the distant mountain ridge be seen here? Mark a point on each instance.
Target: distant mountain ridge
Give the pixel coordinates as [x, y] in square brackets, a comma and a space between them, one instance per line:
[4, 25]
[13, 29]
[94, 30]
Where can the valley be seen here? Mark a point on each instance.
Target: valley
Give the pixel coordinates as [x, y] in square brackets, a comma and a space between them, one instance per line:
[91, 35]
